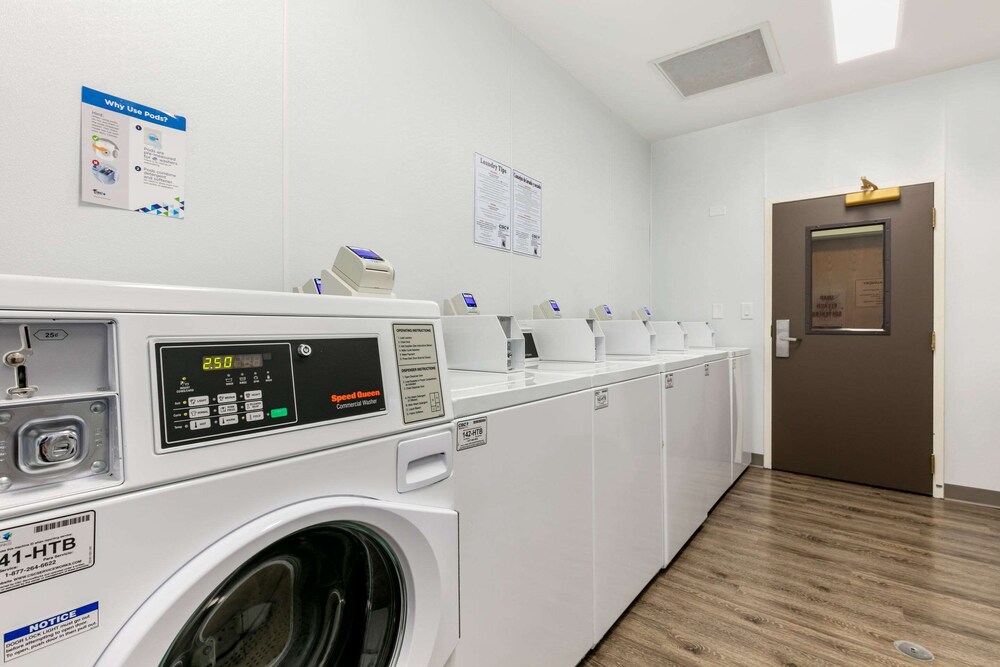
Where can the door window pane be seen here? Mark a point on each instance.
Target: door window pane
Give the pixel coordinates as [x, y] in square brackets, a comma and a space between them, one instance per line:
[848, 278]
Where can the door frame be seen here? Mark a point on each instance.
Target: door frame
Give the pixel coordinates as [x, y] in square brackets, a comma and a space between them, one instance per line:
[939, 322]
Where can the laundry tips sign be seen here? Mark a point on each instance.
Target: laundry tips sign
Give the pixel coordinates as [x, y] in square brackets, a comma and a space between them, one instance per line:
[132, 155]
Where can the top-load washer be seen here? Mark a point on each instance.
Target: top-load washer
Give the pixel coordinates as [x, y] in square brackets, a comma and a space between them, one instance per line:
[694, 419]
[523, 489]
[197, 478]
[628, 480]
[701, 336]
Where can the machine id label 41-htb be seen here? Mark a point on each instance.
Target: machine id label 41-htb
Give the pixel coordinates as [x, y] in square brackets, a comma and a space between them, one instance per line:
[36, 552]
[470, 433]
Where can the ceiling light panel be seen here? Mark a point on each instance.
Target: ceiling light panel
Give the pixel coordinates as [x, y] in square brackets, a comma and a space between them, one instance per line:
[864, 27]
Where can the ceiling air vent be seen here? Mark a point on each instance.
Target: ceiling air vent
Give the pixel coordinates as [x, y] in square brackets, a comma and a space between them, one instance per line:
[722, 63]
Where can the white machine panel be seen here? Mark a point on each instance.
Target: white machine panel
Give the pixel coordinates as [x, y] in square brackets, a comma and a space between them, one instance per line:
[628, 497]
[526, 536]
[685, 472]
[741, 440]
[568, 339]
[490, 343]
[699, 334]
[670, 336]
[139, 322]
[631, 337]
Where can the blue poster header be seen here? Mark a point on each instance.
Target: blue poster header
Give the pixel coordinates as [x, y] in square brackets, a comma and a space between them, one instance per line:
[141, 111]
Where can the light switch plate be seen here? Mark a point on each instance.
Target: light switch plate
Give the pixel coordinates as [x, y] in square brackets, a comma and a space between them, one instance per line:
[716, 211]
[746, 310]
[716, 311]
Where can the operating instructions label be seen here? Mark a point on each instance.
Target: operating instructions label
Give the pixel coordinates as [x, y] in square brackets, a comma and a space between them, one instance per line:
[45, 632]
[36, 552]
[419, 374]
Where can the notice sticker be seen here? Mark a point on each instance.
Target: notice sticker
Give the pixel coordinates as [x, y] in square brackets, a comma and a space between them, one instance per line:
[470, 433]
[419, 374]
[47, 631]
[36, 552]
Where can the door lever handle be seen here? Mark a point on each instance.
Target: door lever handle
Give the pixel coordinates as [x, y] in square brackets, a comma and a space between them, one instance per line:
[782, 339]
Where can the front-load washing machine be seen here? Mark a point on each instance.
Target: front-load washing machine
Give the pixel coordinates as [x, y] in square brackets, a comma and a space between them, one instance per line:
[223, 478]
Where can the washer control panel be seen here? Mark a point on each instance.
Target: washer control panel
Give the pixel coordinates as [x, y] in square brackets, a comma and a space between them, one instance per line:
[218, 390]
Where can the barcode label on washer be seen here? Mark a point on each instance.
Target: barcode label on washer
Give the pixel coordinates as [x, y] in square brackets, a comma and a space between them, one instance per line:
[35, 552]
[83, 518]
[470, 433]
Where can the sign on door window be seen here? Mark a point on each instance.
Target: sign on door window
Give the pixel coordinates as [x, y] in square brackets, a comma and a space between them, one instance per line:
[847, 269]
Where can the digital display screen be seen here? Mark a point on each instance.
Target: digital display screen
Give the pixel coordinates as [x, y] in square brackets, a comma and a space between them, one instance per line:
[470, 300]
[365, 253]
[647, 311]
[607, 309]
[231, 362]
[555, 306]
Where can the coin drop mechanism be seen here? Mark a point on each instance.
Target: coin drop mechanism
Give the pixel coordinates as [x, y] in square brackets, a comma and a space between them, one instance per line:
[355, 272]
[59, 408]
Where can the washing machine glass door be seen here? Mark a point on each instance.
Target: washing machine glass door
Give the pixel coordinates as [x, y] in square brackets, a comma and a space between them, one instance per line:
[328, 595]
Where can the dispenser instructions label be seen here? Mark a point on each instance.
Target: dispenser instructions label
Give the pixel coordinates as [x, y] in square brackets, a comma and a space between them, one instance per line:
[527, 216]
[36, 552]
[132, 155]
[419, 374]
[492, 215]
[48, 631]
[470, 433]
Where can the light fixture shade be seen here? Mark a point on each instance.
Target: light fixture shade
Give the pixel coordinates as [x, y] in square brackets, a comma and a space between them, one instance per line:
[864, 27]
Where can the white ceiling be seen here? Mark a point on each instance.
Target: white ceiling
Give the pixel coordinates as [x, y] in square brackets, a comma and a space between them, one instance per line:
[608, 46]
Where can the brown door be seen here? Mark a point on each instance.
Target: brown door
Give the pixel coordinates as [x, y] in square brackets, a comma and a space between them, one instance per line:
[853, 399]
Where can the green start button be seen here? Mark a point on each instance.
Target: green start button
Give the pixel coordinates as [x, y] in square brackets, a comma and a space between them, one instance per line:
[277, 413]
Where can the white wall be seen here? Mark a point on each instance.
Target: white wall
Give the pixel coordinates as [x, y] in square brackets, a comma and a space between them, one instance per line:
[942, 126]
[387, 102]
[217, 63]
[313, 124]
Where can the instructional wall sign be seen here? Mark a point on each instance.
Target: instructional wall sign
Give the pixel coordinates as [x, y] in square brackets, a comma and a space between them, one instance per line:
[492, 216]
[527, 215]
[132, 155]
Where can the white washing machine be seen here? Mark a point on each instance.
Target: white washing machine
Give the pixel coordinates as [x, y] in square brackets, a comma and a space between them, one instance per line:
[628, 481]
[198, 478]
[696, 461]
[524, 492]
[696, 435]
[702, 337]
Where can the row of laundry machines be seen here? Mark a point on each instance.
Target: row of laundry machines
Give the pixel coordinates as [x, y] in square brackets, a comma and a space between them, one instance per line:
[582, 468]
[211, 477]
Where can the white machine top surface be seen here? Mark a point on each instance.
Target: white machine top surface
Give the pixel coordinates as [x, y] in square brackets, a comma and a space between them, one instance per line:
[600, 372]
[730, 351]
[675, 361]
[62, 294]
[474, 393]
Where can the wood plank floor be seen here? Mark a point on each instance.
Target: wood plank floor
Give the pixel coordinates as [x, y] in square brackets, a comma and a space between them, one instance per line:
[795, 570]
